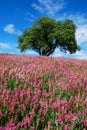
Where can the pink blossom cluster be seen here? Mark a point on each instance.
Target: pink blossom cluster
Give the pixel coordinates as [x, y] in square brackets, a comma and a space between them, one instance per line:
[42, 93]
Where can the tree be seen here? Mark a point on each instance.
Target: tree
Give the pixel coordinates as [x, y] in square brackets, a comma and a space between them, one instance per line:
[46, 34]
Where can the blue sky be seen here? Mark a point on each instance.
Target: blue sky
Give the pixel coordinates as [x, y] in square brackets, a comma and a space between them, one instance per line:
[19, 14]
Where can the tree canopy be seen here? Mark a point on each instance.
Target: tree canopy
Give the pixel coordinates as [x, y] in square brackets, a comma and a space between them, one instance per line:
[46, 34]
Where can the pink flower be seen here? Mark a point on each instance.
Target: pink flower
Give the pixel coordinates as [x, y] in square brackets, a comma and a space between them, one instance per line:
[66, 127]
[54, 105]
[42, 111]
[34, 98]
[45, 129]
[10, 125]
[74, 118]
[85, 101]
[25, 121]
[45, 94]
[32, 128]
[67, 105]
[59, 119]
[44, 104]
[37, 92]
[48, 122]
[85, 122]
[68, 116]
[1, 128]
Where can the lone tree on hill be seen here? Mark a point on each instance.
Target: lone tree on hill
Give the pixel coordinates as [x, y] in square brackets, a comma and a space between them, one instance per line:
[47, 34]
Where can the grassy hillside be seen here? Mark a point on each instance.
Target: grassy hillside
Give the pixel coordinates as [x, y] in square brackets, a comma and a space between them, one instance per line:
[42, 93]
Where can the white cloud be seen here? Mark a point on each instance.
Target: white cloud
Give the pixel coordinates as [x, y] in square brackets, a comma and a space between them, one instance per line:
[57, 53]
[81, 34]
[80, 55]
[81, 23]
[4, 45]
[30, 52]
[50, 7]
[29, 17]
[10, 28]
[78, 18]
[38, 8]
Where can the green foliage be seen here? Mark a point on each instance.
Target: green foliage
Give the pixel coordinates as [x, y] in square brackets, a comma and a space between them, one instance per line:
[47, 34]
[11, 83]
[65, 95]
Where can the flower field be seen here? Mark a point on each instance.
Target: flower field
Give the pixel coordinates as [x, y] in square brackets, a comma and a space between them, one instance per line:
[42, 93]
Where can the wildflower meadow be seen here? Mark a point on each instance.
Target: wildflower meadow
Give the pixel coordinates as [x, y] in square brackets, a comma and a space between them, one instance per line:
[42, 93]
